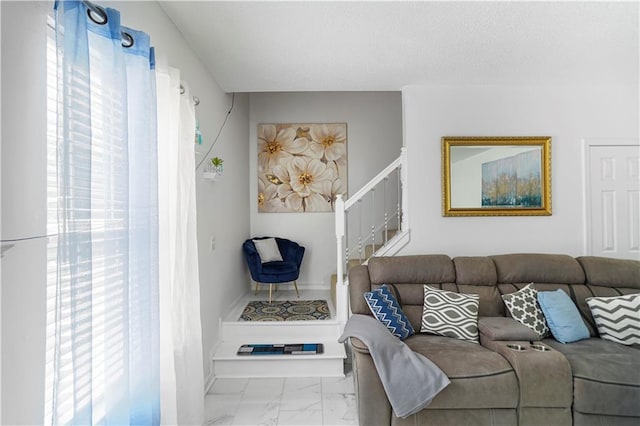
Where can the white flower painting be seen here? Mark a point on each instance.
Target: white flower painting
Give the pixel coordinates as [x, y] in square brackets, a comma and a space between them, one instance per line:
[301, 167]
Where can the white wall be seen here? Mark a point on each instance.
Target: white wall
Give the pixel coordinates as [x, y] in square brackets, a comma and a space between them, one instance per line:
[222, 206]
[0, 226]
[23, 210]
[567, 114]
[374, 139]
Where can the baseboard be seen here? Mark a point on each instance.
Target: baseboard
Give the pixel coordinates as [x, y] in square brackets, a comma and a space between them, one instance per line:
[208, 383]
[232, 305]
[302, 286]
[211, 377]
[313, 286]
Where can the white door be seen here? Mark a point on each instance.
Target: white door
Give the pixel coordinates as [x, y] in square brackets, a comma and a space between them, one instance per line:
[613, 200]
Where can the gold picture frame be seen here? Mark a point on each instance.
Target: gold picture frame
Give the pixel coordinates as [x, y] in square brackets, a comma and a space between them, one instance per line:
[496, 176]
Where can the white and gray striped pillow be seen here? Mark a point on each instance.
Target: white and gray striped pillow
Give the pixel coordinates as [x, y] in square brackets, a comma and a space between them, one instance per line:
[450, 314]
[617, 318]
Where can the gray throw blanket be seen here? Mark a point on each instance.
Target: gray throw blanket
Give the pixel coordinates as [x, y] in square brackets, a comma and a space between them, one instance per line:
[410, 380]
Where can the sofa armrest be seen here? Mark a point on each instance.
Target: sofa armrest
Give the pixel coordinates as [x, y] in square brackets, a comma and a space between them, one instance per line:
[544, 379]
[504, 329]
[374, 408]
[358, 345]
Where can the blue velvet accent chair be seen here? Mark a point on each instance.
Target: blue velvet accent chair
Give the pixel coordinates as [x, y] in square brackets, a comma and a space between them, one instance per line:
[275, 272]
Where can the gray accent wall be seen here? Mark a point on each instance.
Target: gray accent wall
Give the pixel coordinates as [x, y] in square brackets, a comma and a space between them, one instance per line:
[374, 139]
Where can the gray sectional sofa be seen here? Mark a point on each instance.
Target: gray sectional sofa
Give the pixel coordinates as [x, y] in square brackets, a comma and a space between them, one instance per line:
[588, 382]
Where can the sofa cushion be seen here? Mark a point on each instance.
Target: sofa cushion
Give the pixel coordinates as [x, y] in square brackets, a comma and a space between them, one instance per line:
[606, 376]
[456, 417]
[422, 269]
[562, 316]
[538, 268]
[472, 369]
[477, 275]
[475, 270]
[450, 314]
[524, 308]
[617, 318]
[386, 309]
[609, 272]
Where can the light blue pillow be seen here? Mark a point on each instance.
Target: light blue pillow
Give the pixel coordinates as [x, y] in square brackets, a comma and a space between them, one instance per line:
[387, 310]
[562, 316]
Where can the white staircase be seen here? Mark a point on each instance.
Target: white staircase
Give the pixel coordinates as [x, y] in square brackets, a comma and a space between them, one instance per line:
[234, 333]
[372, 222]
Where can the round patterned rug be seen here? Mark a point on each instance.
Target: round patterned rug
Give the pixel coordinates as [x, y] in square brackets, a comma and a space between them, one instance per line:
[286, 310]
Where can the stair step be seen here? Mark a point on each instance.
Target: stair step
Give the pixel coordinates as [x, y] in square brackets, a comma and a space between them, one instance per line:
[353, 263]
[227, 364]
[370, 249]
[390, 233]
[234, 333]
[267, 331]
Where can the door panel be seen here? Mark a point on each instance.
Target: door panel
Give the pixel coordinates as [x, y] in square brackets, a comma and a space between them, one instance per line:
[613, 227]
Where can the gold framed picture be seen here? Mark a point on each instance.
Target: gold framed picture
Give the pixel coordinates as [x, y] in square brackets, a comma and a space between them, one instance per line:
[496, 176]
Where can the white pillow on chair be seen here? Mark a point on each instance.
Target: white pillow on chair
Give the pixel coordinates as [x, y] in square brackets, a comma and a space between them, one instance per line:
[268, 250]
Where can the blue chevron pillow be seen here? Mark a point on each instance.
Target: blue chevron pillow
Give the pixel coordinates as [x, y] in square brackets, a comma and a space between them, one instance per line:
[387, 310]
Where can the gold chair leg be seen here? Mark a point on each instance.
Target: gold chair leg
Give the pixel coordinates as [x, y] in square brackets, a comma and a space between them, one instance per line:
[256, 288]
[296, 286]
[270, 286]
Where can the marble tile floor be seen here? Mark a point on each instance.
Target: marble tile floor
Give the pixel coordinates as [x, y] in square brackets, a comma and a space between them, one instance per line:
[317, 401]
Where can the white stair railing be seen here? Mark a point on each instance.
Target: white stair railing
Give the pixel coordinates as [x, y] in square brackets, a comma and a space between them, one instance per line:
[364, 220]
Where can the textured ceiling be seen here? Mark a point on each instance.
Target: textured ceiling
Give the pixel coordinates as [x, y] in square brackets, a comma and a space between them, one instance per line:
[338, 46]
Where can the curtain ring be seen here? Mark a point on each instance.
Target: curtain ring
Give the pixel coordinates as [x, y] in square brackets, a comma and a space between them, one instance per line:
[96, 13]
[127, 39]
[196, 100]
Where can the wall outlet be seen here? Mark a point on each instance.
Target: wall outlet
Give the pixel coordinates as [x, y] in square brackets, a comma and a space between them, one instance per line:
[212, 243]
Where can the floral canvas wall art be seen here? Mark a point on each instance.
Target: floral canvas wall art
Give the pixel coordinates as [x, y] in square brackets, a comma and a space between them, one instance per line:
[301, 167]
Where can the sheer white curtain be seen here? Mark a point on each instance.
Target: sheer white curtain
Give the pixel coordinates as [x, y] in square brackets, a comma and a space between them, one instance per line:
[102, 292]
[181, 376]
[123, 307]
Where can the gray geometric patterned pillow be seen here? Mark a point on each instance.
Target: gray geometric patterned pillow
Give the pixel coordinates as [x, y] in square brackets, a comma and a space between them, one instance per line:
[524, 308]
[450, 314]
[617, 318]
